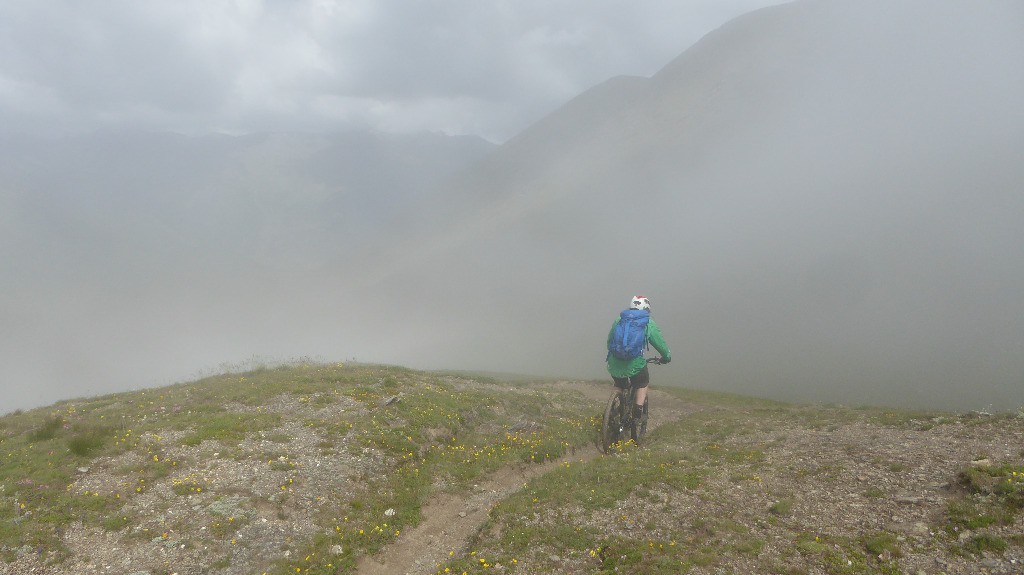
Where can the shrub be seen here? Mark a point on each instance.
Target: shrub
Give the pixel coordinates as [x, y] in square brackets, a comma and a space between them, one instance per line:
[781, 507]
[48, 430]
[84, 443]
[879, 543]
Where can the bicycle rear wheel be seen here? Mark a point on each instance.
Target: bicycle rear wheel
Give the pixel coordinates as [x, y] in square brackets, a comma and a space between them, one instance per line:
[612, 430]
[641, 424]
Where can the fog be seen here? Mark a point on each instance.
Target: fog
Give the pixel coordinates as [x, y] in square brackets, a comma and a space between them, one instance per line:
[822, 200]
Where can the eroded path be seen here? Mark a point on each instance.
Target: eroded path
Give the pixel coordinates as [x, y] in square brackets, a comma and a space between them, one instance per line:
[451, 520]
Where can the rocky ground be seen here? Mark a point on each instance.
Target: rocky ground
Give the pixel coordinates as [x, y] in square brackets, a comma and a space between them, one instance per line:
[793, 492]
[815, 491]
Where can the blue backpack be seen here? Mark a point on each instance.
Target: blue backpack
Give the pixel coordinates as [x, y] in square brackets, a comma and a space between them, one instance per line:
[629, 337]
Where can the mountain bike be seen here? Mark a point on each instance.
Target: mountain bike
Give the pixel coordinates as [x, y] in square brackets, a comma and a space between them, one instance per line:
[619, 423]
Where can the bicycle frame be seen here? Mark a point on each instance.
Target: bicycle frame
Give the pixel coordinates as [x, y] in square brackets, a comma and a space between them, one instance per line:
[619, 423]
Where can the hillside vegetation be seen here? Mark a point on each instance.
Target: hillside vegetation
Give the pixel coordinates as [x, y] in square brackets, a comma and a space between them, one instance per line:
[336, 469]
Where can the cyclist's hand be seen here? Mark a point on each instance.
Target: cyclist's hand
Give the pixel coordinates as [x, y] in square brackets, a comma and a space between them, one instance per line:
[664, 360]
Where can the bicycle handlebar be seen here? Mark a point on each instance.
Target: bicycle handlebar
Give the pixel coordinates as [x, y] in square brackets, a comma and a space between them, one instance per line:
[655, 360]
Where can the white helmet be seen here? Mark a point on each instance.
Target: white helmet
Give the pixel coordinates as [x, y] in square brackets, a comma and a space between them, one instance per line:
[640, 302]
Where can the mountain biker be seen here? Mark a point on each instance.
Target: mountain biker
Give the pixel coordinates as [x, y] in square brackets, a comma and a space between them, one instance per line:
[627, 372]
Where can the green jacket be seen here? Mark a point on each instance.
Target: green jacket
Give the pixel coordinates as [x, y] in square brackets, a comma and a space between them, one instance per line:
[630, 367]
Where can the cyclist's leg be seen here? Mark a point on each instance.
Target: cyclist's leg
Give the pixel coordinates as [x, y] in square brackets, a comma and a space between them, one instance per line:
[641, 395]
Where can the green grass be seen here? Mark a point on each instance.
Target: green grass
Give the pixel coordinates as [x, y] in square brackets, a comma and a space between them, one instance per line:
[980, 544]
[230, 427]
[446, 432]
[992, 496]
[436, 436]
[86, 440]
[536, 518]
[692, 456]
[47, 429]
[880, 543]
[782, 507]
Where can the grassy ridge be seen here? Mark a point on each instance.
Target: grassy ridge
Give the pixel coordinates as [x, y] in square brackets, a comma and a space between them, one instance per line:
[724, 488]
[407, 435]
[304, 469]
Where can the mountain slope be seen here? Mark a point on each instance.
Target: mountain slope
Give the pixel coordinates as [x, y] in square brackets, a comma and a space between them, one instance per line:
[821, 199]
[278, 199]
[134, 255]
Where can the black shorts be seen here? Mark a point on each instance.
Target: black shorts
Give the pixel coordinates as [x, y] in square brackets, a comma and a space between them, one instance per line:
[638, 381]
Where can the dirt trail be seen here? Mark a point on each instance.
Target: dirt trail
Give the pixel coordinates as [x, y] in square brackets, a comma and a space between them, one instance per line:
[449, 521]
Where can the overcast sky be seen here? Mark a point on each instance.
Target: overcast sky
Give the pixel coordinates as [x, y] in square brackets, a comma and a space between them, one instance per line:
[488, 68]
[847, 210]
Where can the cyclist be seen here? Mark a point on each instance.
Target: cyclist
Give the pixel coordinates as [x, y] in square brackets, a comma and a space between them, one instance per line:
[633, 372]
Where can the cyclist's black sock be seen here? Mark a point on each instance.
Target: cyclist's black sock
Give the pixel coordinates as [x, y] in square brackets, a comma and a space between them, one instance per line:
[638, 411]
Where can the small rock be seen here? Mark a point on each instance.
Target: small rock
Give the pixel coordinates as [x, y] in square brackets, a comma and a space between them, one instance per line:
[462, 513]
[83, 470]
[981, 463]
[337, 550]
[390, 512]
